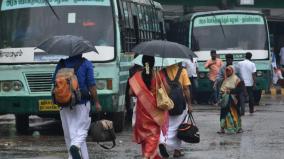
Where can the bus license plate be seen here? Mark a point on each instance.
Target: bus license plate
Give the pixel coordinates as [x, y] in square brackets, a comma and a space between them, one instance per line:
[47, 105]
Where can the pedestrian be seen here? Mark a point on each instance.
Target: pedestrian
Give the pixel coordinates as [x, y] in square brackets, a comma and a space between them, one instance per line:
[150, 120]
[75, 120]
[128, 99]
[273, 58]
[248, 74]
[220, 78]
[281, 54]
[277, 75]
[170, 141]
[192, 71]
[230, 118]
[214, 64]
[276, 71]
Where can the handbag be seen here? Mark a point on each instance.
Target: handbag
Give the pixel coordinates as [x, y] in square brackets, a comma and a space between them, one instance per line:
[164, 102]
[188, 132]
[103, 131]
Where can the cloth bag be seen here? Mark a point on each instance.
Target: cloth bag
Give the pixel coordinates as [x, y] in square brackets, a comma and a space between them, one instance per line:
[224, 100]
[164, 102]
[103, 131]
[188, 132]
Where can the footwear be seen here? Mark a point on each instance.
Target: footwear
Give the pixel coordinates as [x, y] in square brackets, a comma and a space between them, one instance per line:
[240, 130]
[178, 153]
[163, 151]
[251, 112]
[221, 131]
[75, 152]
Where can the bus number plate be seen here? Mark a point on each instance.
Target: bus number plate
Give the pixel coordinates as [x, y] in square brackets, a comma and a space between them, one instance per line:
[47, 105]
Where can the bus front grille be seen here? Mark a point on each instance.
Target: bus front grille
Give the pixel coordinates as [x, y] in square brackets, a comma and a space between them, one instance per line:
[39, 82]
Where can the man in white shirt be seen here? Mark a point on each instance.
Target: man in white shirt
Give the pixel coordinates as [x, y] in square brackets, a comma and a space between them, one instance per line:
[248, 73]
[281, 54]
[192, 71]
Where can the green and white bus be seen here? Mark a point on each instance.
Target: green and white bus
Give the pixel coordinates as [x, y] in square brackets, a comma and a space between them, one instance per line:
[227, 31]
[113, 26]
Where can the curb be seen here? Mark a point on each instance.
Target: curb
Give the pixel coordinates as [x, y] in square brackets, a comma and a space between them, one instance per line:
[275, 91]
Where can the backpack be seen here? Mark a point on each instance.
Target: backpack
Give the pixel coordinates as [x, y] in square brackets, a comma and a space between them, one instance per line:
[176, 93]
[66, 91]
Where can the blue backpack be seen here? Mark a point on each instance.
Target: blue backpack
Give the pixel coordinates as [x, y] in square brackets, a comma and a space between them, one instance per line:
[176, 93]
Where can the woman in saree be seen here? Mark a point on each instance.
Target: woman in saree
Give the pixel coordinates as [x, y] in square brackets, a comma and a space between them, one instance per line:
[150, 120]
[230, 119]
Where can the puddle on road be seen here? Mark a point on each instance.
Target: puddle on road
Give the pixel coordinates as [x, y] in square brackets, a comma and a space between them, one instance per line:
[48, 140]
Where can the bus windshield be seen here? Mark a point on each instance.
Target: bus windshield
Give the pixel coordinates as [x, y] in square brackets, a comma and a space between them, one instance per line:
[26, 25]
[230, 31]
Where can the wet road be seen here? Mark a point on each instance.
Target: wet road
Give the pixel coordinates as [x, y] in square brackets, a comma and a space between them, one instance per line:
[263, 137]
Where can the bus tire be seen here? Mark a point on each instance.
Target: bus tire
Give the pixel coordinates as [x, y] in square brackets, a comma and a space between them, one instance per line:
[118, 119]
[22, 123]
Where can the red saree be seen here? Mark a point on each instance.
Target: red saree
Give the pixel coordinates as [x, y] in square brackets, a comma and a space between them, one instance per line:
[149, 119]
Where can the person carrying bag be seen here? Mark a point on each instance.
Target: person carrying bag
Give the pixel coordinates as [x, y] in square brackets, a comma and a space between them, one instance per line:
[178, 85]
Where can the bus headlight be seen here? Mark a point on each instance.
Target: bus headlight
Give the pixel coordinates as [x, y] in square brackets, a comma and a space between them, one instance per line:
[6, 86]
[202, 75]
[259, 73]
[17, 85]
[101, 84]
[104, 84]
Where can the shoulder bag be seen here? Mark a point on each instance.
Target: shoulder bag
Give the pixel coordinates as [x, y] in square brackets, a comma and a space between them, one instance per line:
[164, 102]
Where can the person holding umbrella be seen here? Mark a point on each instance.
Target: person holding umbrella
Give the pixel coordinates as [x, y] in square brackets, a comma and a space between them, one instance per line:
[150, 120]
[75, 118]
[169, 53]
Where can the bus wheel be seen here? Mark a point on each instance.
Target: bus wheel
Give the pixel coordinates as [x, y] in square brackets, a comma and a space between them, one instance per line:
[22, 123]
[118, 119]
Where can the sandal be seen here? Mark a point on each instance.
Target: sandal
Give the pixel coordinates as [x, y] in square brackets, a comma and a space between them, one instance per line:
[178, 153]
[163, 151]
[240, 130]
[222, 131]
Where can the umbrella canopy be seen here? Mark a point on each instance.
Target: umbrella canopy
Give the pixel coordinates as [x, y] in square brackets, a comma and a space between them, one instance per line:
[68, 45]
[160, 48]
[159, 61]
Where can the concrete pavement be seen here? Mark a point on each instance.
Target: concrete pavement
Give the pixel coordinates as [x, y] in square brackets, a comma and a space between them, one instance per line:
[263, 138]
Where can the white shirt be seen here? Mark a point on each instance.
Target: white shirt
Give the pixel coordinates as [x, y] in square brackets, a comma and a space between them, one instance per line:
[191, 67]
[276, 76]
[247, 68]
[281, 54]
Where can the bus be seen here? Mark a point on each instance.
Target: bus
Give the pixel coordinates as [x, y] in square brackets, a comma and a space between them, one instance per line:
[114, 27]
[226, 31]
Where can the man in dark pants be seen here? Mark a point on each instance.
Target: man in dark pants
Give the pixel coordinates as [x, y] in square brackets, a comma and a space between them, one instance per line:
[214, 64]
[248, 74]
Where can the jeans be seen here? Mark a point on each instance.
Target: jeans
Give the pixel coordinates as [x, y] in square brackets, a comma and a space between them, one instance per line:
[193, 87]
[242, 100]
[215, 94]
[251, 98]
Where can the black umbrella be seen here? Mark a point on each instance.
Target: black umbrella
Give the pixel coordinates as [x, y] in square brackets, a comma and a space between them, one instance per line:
[68, 45]
[162, 48]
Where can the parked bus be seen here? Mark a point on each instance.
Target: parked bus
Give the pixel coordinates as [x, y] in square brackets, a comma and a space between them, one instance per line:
[228, 31]
[113, 26]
